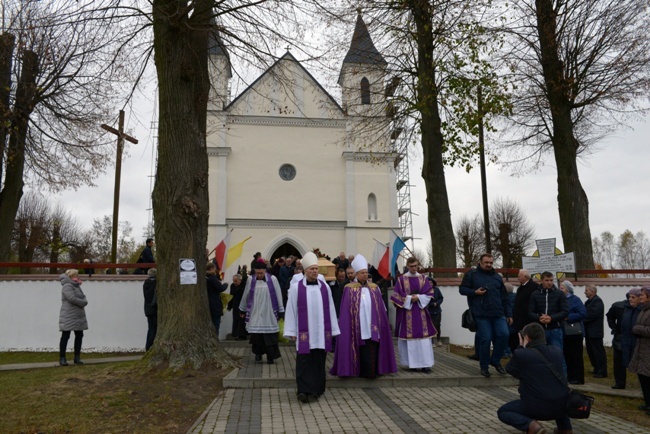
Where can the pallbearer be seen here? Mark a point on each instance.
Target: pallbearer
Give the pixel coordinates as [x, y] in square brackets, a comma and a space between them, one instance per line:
[310, 321]
[365, 346]
[413, 326]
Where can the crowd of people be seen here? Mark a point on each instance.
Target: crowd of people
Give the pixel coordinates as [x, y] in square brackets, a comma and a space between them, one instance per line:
[540, 326]
[540, 316]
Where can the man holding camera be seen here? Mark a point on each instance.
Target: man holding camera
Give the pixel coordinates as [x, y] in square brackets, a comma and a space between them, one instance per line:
[542, 395]
[488, 301]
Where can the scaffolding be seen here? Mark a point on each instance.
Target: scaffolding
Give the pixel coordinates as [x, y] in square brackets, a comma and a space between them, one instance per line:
[399, 144]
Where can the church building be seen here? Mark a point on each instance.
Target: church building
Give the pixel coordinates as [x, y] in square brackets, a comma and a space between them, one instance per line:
[294, 169]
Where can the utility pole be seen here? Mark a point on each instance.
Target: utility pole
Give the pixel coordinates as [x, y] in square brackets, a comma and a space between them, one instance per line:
[118, 173]
[481, 148]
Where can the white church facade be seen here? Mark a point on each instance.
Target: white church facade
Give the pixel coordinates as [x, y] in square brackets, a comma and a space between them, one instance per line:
[294, 169]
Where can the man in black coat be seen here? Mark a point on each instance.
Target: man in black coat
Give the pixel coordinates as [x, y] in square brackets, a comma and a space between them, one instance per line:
[522, 299]
[237, 291]
[215, 288]
[614, 320]
[150, 306]
[542, 395]
[548, 307]
[146, 257]
[594, 333]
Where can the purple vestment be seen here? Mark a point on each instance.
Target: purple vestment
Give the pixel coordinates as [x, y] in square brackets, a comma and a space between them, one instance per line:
[416, 322]
[346, 353]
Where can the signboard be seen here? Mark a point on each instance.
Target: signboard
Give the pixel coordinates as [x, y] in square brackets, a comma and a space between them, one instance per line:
[187, 270]
[549, 258]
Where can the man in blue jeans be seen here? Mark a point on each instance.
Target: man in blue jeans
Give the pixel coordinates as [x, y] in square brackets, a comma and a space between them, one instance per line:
[488, 301]
[549, 308]
[542, 395]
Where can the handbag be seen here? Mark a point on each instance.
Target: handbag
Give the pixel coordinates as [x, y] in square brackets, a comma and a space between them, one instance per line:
[572, 328]
[578, 405]
[467, 321]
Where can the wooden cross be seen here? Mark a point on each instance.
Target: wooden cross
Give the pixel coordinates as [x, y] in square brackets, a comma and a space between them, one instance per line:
[118, 172]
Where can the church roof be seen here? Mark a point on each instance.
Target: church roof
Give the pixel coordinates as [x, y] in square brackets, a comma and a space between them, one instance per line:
[362, 49]
[286, 56]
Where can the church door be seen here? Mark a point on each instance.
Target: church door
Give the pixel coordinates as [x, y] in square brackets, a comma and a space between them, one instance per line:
[285, 250]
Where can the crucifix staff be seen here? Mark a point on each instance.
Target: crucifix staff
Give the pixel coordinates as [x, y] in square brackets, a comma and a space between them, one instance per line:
[121, 135]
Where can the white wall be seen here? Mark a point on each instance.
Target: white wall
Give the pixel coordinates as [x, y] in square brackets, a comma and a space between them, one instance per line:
[29, 315]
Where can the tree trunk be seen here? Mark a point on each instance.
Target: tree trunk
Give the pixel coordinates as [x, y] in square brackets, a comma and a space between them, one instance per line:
[15, 167]
[186, 335]
[572, 200]
[7, 43]
[443, 243]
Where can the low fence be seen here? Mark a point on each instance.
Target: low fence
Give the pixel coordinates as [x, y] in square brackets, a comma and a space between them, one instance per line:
[30, 304]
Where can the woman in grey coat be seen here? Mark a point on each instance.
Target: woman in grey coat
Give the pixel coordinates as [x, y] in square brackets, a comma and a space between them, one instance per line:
[640, 363]
[72, 316]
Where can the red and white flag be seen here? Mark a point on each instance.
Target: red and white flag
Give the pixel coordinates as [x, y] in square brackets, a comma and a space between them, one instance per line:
[380, 259]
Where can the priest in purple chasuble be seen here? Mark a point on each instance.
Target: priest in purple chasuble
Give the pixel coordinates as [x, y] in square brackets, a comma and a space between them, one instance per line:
[365, 346]
[413, 326]
[310, 321]
[261, 306]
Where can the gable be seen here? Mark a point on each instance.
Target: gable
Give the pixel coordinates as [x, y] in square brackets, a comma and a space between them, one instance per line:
[288, 90]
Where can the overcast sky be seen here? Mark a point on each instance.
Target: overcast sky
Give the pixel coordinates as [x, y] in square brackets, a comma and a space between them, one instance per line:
[616, 180]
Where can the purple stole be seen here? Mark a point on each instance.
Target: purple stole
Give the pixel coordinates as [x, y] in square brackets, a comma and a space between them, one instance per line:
[303, 321]
[416, 322]
[251, 296]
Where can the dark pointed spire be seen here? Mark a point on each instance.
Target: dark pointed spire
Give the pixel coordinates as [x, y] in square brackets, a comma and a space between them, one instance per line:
[362, 50]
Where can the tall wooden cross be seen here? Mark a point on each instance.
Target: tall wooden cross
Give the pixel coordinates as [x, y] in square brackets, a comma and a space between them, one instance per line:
[118, 173]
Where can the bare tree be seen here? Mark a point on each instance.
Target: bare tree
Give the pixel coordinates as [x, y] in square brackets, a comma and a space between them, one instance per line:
[511, 232]
[605, 250]
[31, 229]
[99, 239]
[53, 51]
[582, 68]
[470, 240]
[437, 52]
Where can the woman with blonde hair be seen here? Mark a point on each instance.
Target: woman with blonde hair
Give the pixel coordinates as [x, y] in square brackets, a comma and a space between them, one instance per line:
[72, 316]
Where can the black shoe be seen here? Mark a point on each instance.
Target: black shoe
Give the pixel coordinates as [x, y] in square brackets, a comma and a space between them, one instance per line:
[426, 370]
[258, 357]
[63, 361]
[485, 373]
[500, 369]
[644, 408]
[616, 386]
[473, 357]
[77, 360]
[269, 361]
[576, 382]
[303, 398]
[599, 376]
[413, 370]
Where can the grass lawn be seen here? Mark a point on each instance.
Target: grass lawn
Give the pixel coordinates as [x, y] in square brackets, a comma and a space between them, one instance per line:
[625, 408]
[107, 398]
[12, 357]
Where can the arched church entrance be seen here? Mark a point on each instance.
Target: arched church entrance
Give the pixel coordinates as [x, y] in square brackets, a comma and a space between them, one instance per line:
[285, 250]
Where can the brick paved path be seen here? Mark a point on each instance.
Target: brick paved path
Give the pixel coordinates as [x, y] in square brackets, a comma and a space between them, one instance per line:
[454, 398]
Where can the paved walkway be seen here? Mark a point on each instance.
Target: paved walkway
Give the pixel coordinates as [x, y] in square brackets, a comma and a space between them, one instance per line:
[454, 398]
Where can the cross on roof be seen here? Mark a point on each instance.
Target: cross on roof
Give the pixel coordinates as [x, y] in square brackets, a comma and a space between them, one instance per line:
[548, 260]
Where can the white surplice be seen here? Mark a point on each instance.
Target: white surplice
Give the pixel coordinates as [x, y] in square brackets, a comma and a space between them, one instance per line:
[315, 315]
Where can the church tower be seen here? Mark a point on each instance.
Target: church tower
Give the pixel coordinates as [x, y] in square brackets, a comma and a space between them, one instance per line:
[362, 74]
[220, 73]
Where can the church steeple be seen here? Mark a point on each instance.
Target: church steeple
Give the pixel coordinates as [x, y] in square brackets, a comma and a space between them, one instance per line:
[362, 49]
[362, 72]
[219, 69]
